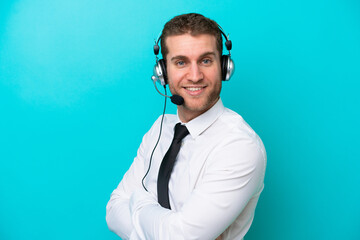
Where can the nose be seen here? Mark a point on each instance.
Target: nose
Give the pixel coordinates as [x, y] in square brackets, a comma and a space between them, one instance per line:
[195, 74]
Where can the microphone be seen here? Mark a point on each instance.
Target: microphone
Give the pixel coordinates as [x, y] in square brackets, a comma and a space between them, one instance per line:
[176, 99]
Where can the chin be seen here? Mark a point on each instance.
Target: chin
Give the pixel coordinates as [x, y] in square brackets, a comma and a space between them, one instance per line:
[196, 106]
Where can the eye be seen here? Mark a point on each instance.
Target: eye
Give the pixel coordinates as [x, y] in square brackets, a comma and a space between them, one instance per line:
[206, 61]
[180, 63]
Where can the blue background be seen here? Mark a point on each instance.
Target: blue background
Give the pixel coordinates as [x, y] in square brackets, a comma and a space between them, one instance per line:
[76, 99]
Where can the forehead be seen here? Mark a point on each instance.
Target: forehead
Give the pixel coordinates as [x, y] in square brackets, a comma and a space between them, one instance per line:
[191, 46]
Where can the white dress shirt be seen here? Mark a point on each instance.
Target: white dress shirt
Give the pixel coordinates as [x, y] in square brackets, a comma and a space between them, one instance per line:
[214, 187]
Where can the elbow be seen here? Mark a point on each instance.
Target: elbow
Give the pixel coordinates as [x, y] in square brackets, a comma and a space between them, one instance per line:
[118, 220]
[111, 223]
[109, 218]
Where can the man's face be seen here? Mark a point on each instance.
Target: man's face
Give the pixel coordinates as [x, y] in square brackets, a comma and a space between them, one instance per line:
[194, 72]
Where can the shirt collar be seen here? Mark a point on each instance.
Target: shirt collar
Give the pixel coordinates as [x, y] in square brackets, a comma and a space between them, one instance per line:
[199, 124]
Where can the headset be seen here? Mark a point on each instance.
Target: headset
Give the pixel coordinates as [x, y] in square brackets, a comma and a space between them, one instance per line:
[227, 64]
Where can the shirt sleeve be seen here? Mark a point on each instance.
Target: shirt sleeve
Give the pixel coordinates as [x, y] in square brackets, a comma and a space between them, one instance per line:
[118, 217]
[233, 175]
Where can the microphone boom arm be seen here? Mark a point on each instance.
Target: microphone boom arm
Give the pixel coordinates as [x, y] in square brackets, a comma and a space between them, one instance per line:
[153, 78]
[176, 99]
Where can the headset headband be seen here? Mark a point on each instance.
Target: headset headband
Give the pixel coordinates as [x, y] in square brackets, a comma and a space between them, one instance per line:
[228, 43]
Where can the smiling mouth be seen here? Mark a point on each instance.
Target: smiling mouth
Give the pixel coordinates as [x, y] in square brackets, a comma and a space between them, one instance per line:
[194, 91]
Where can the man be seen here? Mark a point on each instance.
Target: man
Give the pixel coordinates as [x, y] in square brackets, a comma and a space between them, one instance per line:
[219, 169]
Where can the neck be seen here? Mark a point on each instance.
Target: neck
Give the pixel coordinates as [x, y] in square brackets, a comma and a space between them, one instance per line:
[187, 117]
[186, 114]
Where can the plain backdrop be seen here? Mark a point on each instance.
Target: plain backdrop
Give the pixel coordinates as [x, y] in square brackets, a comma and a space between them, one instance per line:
[76, 98]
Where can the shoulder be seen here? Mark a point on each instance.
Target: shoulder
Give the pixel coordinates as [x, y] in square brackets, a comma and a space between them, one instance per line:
[236, 139]
[232, 125]
[169, 120]
[160, 126]
[235, 124]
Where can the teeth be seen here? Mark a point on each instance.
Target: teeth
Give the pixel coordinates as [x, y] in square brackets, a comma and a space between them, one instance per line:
[194, 89]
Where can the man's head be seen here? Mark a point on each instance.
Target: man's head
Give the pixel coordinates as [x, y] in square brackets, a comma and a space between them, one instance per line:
[194, 24]
[192, 47]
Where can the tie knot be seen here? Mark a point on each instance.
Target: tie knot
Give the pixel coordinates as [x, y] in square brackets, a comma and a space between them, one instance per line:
[180, 131]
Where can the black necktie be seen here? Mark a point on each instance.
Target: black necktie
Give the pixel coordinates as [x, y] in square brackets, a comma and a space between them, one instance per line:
[167, 165]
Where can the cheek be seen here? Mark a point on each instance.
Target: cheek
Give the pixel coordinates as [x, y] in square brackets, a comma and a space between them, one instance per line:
[173, 76]
[213, 72]
[172, 82]
[218, 72]
[214, 76]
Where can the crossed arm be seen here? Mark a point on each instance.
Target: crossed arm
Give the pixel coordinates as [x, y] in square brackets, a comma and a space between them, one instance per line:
[220, 197]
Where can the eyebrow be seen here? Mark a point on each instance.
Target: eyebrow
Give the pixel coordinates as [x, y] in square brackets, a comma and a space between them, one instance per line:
[185, 57]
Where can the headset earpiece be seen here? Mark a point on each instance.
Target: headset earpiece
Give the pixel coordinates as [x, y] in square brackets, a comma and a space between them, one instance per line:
[224, 62]
[162, 65]
[227, 67]
[160, 72]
